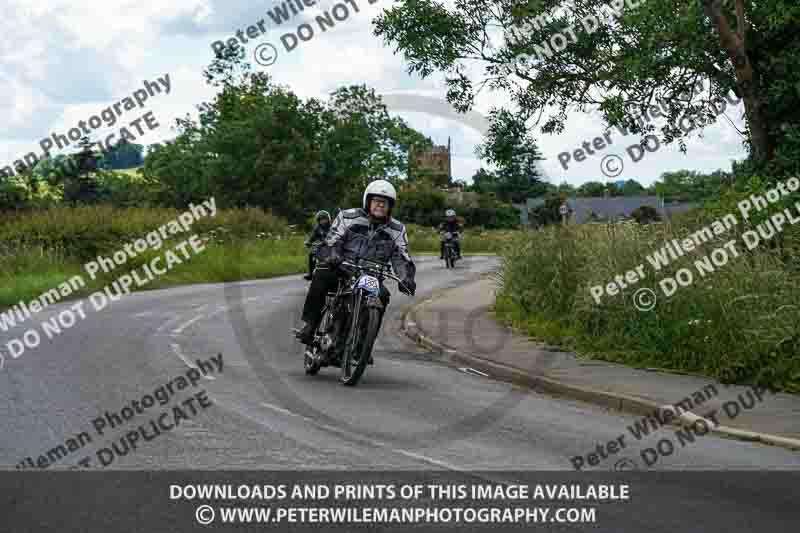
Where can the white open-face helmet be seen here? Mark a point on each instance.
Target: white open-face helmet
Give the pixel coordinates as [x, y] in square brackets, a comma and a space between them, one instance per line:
[449, 213]
[380, 188]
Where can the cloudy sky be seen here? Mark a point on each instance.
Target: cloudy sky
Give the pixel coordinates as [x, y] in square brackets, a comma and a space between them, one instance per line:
[66, 60]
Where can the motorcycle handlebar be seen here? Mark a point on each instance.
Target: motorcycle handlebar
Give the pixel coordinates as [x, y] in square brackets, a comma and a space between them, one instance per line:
[379, 271]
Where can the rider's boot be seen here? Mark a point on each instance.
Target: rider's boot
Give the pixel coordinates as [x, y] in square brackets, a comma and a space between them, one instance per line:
[306, 334]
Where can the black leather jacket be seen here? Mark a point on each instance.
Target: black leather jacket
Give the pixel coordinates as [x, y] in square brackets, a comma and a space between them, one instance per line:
[353, 235]
[451, 227]
[318, 234]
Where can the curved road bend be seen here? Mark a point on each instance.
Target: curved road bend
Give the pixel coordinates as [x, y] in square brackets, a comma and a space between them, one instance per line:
[408, 412]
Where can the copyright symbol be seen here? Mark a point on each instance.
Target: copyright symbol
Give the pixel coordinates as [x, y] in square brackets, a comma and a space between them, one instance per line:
[626, 464]
[265, 54]
[644, 299]
[609, 166]
[204, 514]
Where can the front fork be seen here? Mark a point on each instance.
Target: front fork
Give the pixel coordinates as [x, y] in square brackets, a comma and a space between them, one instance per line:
[355, 314]
[361, 301]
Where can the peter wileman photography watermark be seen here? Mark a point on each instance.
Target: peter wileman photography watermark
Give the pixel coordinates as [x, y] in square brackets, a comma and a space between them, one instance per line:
[157, 425]
[282, 12]
[612, 165]
[112, 292]
[559, 41]
[645, 299]
[668, 415]
[107, 117]
[266, 53]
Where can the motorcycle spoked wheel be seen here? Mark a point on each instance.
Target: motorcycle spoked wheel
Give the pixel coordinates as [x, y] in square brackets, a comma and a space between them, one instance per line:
[358, 350]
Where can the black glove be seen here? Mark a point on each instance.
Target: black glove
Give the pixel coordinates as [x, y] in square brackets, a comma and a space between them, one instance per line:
[408, 287]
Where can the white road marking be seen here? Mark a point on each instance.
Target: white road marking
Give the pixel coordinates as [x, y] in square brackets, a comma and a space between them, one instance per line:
[176, 349]
[186, 324]
[428, 460]
[279, 409]
[168, 322]
[143, 314]
[473, 371]
[219, 310]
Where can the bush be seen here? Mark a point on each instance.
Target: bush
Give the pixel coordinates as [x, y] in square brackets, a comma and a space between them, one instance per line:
[126, 189]
[739, 324]
[422, 207]
[85, 232]
[645, 214]
[547, 213]
[427, 208]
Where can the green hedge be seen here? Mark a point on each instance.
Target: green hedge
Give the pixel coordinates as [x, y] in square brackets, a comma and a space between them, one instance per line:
[427, 208]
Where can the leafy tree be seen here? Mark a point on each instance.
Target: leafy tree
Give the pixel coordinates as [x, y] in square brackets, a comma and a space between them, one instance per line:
[484, 182]
[632, 188]
[594, 189]
[690, 185]
[80, 184]
[259, 144]
[654, 52]
[124, 154]
[566, 190]
[510, 147]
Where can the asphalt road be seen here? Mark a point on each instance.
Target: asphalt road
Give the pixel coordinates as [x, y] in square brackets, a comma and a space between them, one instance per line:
[408, 412]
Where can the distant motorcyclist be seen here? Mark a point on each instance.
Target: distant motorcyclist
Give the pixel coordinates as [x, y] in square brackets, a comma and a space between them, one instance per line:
[316, 239]
[450, 225]
[368, 232]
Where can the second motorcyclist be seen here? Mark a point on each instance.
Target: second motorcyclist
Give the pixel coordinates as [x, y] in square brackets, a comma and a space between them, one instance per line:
[450, 225]
[316, 239]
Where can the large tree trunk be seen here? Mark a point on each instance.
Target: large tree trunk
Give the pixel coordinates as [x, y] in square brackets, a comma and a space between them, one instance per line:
[734, 45]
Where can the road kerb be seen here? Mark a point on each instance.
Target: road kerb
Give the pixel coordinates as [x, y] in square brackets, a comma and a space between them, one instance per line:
[614, 400]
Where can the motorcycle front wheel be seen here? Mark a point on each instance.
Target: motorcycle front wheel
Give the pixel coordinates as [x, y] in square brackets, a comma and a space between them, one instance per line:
[359, 349]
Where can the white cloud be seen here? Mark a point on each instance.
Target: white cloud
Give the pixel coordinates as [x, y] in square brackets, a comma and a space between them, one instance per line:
[62, 61]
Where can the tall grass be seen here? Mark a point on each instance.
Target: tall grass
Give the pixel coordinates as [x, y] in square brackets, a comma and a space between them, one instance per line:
[41, 249]
[740, 323]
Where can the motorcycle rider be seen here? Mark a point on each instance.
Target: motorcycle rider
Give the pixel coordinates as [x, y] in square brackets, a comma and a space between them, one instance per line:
[368, 232]
[316, 238]
[450, 225]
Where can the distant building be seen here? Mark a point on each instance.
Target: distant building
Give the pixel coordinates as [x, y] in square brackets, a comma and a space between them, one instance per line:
[435, 162]
[616, 208]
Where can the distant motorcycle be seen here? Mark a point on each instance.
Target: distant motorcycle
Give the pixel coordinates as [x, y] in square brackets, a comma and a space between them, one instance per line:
[350, 321]
[450, 254]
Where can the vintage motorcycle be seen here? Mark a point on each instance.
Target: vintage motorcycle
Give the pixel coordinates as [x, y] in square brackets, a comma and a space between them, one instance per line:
[450, 254]
[350, 322]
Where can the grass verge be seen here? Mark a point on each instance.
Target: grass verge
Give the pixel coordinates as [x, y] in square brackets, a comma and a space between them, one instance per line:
[42, 249]
[738, 324]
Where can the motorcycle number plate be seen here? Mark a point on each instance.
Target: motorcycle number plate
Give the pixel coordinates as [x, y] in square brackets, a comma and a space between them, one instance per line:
[369, 284]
